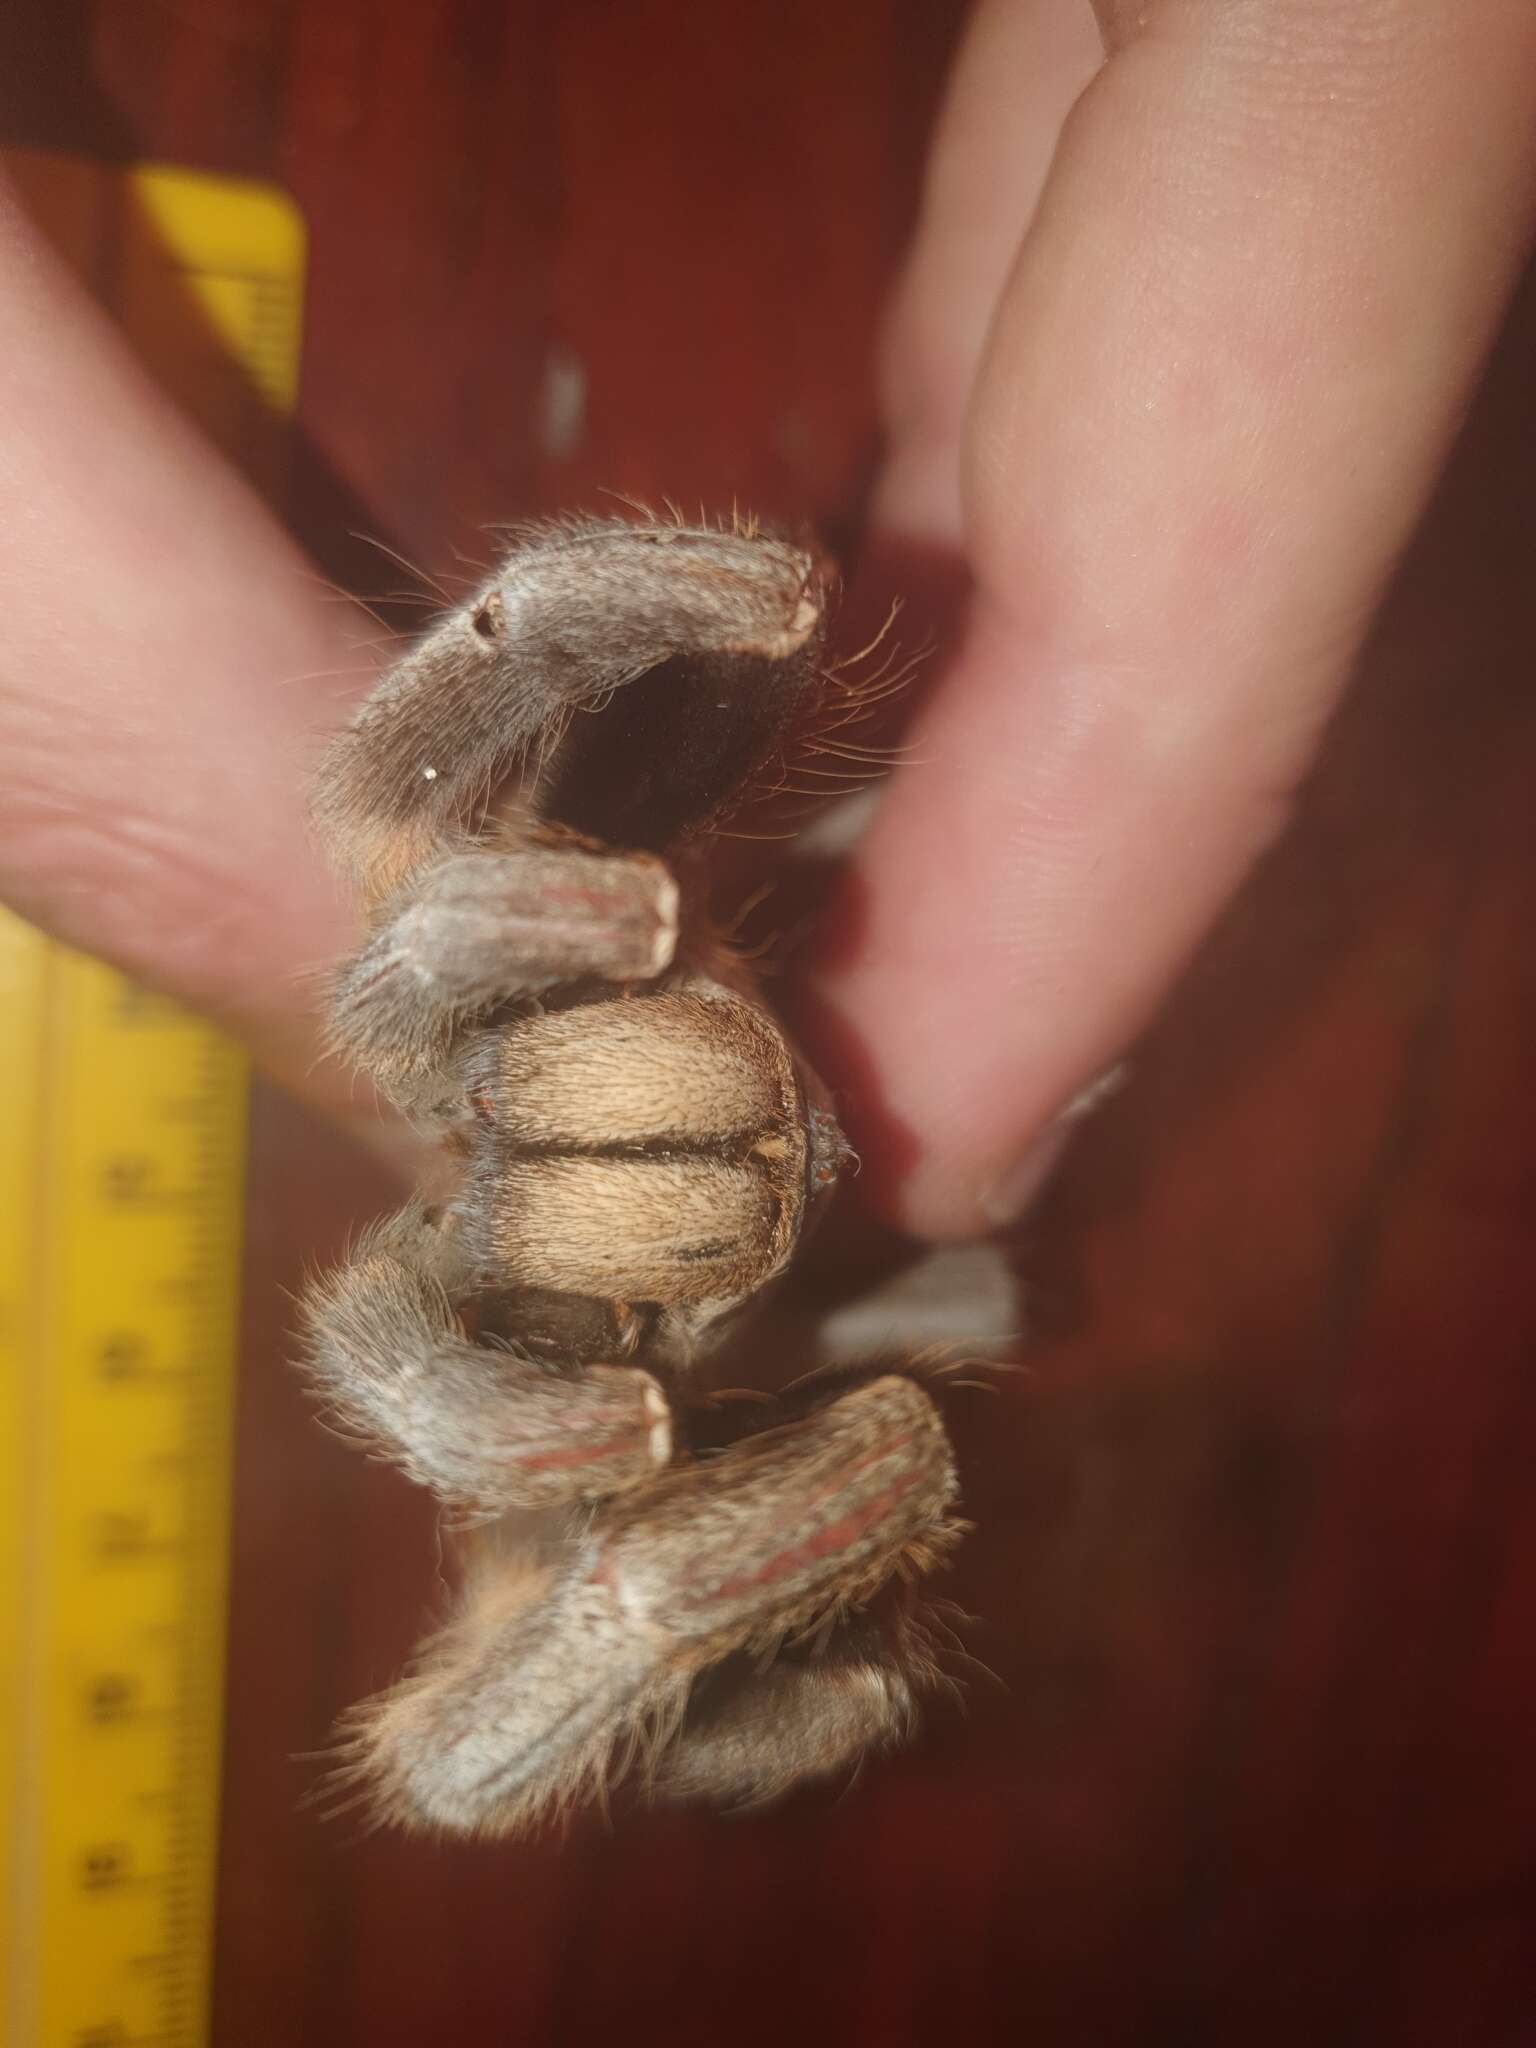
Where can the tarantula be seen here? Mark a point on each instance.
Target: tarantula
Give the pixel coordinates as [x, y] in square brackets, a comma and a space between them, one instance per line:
[635, 1154]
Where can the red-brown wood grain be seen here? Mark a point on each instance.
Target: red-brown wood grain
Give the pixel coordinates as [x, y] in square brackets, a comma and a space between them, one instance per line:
[1255, 1554]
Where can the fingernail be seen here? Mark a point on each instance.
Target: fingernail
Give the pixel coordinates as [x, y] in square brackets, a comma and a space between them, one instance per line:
[1088, 1099]
[1006, 1200]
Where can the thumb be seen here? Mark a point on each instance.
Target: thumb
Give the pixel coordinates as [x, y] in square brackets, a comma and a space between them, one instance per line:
[1267, 261]
[167, 669]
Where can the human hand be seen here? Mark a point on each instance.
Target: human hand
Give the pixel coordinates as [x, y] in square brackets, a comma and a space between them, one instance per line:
[168, 667]
[1262, 271]
[1183, 342]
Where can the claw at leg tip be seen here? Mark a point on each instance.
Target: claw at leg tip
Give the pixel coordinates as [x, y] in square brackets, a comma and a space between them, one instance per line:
[661, 1424]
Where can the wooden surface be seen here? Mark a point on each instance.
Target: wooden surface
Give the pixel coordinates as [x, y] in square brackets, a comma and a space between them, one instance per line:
[1255, 1559]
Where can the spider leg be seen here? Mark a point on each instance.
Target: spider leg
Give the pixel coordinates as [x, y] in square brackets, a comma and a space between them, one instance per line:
[477, 929]
[751, 1736]
[486, 1427]
[727, 624]
[547, 1677]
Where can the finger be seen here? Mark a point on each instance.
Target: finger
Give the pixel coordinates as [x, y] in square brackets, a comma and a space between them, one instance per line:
[988, 163]
[1268, 260]
[167, 669]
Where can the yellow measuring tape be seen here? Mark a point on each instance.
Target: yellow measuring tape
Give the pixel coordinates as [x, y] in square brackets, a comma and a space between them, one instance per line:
[122, 1126]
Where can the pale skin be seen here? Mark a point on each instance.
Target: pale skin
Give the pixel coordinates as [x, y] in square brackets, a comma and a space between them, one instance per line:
[1185, 335]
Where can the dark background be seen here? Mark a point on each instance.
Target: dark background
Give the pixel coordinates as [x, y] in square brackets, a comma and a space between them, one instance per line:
[1255, 1562]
